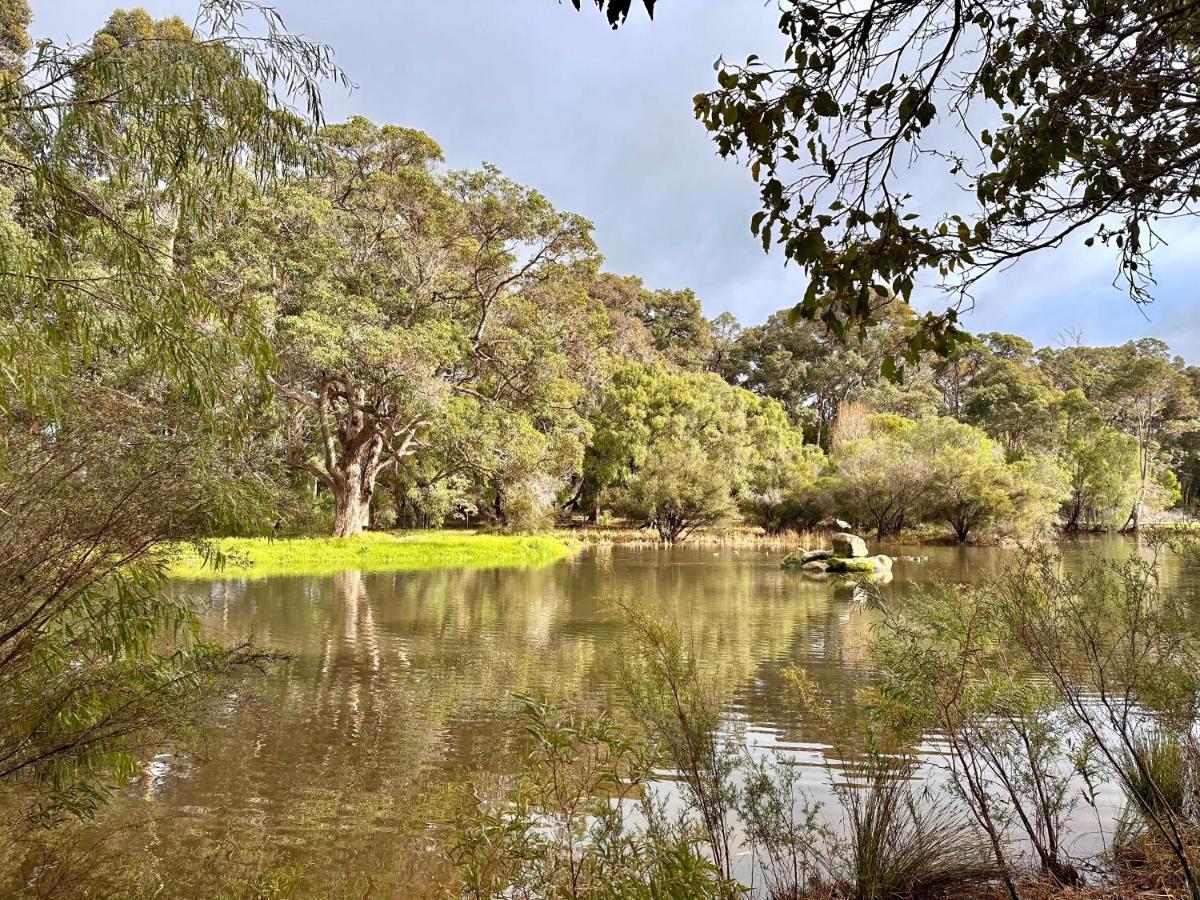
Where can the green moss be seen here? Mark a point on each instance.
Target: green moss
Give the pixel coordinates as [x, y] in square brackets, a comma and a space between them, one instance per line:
[372, 552]
[865, 564]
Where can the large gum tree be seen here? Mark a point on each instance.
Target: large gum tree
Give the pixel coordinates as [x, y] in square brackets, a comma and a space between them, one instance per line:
[399, 290]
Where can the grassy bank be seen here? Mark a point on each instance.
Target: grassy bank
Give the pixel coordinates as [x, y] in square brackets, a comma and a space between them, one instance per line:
[373, 552]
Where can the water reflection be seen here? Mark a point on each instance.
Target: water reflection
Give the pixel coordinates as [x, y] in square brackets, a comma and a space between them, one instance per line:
[396, 697]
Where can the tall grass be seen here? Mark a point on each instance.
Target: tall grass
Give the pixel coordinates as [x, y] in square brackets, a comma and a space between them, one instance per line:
[1162, 780]
[253, 558]
[900, 845]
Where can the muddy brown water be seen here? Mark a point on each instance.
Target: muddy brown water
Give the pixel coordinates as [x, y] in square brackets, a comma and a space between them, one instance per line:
[336, 767]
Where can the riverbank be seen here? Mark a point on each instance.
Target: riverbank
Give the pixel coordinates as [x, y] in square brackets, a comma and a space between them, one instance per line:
[252, 558]
[737, 536]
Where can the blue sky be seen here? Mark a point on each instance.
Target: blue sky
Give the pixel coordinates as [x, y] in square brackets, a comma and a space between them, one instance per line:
[601, 122]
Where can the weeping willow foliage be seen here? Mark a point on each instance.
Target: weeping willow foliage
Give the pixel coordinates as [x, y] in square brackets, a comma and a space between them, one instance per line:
[123, 376]
[97, 658]
[118, 156]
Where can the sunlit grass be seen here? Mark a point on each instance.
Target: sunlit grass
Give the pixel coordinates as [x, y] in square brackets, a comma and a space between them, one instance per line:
[371, 552]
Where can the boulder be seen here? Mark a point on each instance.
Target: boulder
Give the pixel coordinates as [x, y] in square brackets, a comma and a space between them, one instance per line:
[801, 557]
[794, 560]
[815, 565]
[851, 545]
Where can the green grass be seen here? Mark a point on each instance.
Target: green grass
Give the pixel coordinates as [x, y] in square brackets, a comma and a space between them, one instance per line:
[372, 552]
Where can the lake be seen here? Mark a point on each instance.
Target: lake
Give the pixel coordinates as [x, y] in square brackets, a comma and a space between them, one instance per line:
[339, 763]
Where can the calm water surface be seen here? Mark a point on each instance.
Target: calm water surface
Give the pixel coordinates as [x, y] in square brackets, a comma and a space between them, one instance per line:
[398, 697]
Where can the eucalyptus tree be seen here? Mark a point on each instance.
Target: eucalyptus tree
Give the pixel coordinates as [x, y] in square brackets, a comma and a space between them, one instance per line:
[1100, 462]
[672, 321]
[976, 490]
[1066, 121]
[1009, 396]
[1142, 390]
[397, 288]
[122, 380]
[878, 479]
[813, 372]
[1151, 399]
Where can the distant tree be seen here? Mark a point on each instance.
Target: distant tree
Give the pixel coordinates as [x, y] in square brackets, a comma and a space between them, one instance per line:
[679, 491]
[1150, 398]
[650, 413]
[724, 332]
[1102, 465]
[879, 479]
[1186, 450]
[974, 489]
[784, 490]
[623, 298]
[681, 333]
[673, 321]
[812, 371]
[1009, 396]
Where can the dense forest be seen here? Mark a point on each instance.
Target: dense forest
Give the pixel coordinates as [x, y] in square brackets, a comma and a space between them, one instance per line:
[450, 348]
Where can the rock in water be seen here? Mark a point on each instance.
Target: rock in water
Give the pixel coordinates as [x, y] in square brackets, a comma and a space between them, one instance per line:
[846, 544]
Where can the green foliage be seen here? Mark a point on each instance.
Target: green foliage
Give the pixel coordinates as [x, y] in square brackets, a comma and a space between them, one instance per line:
[673, 701]
[974, 489]
[678, 491]
[1101, 466]
[563, 829]
[681, 446]
[1163, 778]
[125, 384]
[814, 372]
[783, 492]
[879, 479]
[949, 661]
[100, 217]
[1079, 120]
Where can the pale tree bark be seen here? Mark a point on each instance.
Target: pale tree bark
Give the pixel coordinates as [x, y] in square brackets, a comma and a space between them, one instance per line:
[359, 441]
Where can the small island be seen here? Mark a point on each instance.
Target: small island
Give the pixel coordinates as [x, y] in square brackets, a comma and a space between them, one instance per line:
[848, 556]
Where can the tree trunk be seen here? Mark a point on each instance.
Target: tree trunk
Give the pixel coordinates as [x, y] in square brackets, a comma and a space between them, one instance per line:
[351, 512]
[354, 486]
[1072, 525]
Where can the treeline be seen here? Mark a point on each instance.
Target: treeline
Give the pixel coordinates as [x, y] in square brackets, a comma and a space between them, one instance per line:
[448, 347]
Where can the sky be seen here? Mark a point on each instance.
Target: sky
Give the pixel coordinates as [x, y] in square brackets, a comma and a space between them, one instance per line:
[601, 123]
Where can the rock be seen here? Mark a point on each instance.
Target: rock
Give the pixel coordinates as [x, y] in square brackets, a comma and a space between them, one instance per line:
[864, 565]
[846, 544]
[800, 557]
[823, 562]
